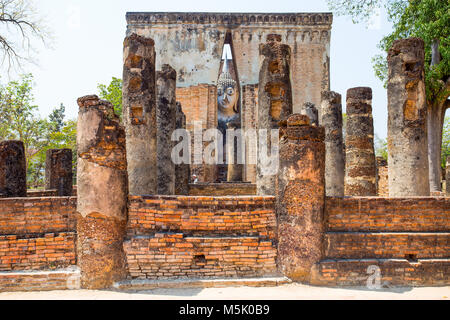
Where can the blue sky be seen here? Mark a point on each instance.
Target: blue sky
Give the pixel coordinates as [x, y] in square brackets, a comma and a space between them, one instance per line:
[88, 38]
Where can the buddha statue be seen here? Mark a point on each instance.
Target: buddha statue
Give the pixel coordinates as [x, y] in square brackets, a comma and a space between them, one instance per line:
[227, 95]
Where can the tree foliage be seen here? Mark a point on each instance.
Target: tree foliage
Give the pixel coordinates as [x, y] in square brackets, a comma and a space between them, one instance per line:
[112, 93]
[427, 19]
[381, 147]
[19, 120]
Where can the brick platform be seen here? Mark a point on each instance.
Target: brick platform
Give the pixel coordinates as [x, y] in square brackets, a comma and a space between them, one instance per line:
[408, 239]
[135, 285]
[62, 279]
[222, 189]
[191, 237]
[394, 272]
[362, 245]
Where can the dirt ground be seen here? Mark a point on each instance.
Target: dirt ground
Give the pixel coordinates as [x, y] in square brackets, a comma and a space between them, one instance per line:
[285, 292]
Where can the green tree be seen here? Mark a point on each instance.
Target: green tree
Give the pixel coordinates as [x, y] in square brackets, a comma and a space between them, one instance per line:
[429, 20]
[18, 119]
[112, 93]
[381, 147]
[56, 118]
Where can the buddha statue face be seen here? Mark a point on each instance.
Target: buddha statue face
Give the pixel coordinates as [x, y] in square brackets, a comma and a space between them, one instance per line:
[227, 96]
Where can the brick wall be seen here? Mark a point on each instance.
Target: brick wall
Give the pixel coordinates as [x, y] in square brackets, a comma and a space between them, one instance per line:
[49, 251]
[199, 103]
[201, 237]
[407, 239]
[388, 214]
[38, 234]
[27, 216]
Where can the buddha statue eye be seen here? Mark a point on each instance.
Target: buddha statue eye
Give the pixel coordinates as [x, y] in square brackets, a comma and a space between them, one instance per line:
[219, 91]
[230, 91]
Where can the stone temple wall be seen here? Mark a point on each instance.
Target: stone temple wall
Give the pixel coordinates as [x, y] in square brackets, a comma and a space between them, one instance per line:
[192, 44]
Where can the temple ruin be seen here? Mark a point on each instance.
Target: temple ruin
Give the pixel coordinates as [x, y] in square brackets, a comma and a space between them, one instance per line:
[151, 210]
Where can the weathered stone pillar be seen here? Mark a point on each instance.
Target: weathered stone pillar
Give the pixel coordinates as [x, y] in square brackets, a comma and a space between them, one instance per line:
[102, 194]
[249, 125]
[360, 164]
[274, 100]
[13, 169]
[182, 171]
[58, 171]
[166, 120]
[139, 113]
[235, 169]
[407, 115]
[301, 198]
[331, 120]
[447, 177]
[311, 111]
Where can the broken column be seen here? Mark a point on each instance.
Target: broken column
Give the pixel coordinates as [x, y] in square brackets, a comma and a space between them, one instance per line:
[301, 198]
[407, 115]
[102, 194]
[182, 171]
[166, 122]
[360, 163]
[58, 171]
[274, 103]
[139, 113]
[331, 120]
[311, 111]
[13, 172]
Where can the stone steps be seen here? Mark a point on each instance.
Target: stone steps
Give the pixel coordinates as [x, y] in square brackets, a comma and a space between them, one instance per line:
[139, 285]
[393, 272]
[60, 279]
[400, 245]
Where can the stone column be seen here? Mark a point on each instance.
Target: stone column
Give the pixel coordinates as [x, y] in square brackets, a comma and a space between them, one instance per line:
[249, 125]
[166, 120]
[274, 99]
[139, 113]
[301, 198]
[182, 171]
[102, 194]
[331, 120]
[311, 111]
[58, 171]
[13, 172]
[447, 177]
[360, 164]
[407, 115]
[235, 169]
